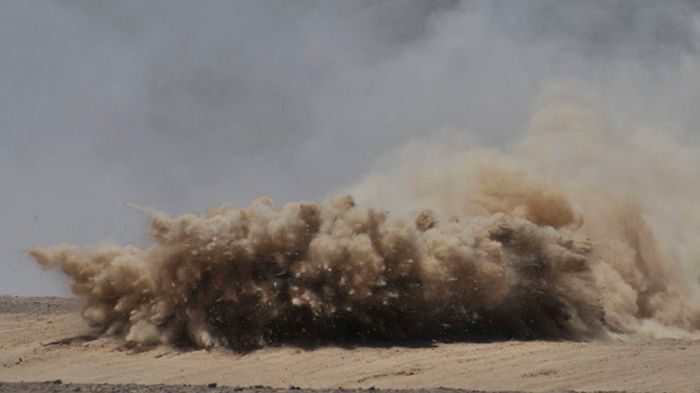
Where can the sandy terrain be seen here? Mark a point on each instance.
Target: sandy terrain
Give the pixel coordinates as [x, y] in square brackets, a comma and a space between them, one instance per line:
[45, 340]
[60, 387]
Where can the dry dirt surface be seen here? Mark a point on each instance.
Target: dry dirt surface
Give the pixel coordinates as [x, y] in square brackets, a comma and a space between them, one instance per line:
[44, 339]
[59, 387]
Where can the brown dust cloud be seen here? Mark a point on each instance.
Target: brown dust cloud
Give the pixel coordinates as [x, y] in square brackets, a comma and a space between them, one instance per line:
[582, 229]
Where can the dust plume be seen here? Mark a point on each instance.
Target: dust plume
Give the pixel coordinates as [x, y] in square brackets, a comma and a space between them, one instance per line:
[631, 192]
[581, 230]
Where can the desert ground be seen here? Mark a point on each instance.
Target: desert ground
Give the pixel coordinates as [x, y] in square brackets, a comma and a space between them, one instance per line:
[44, 339]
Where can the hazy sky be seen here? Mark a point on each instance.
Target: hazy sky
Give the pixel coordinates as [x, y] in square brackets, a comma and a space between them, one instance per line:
[181, 105]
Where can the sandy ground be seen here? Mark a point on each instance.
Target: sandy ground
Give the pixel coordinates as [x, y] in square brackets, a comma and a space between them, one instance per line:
[41, 340]
[59, 387]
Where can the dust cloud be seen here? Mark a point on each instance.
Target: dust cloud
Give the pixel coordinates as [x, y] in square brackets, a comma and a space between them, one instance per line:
[582, 229]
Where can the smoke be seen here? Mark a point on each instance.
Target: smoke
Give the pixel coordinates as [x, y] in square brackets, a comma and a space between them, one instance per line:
[534, 173]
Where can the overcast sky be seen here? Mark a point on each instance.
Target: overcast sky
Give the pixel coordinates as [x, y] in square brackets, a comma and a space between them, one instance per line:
[181, 105]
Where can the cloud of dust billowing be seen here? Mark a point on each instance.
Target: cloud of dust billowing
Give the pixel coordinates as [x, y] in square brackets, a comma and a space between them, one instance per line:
[243, 277]
[631, 193]
[585, 226]
[581, 230]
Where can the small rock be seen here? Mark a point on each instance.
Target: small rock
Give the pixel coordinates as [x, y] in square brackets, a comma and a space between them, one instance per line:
[57, 382]
[212, 385]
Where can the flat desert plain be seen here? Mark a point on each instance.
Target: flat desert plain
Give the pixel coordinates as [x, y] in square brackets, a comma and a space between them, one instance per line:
[44, 339]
